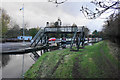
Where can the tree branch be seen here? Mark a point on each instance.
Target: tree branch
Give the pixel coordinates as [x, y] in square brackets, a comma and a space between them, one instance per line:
[106, 5]
[56, 1]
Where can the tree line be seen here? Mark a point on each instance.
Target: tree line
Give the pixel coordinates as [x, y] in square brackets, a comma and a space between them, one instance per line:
[112, 27]
[11, 30]
[17, 31]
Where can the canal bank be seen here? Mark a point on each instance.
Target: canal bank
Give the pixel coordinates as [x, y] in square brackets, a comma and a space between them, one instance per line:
[91, 62]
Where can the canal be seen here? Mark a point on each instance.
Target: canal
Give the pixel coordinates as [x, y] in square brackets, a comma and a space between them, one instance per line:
[12, 65]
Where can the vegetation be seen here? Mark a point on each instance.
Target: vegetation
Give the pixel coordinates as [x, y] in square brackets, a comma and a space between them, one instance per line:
[91, 62]
[5, 20]
[33, 31]
[96, 33]
[112, 27]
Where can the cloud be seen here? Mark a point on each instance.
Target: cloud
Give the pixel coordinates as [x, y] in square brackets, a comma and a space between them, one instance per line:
[38, 13]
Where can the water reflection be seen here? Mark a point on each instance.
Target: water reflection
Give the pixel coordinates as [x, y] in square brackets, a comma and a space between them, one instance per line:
[12, 65]
[5, 60]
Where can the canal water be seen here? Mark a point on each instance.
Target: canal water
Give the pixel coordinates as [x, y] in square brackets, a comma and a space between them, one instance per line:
[12, 65]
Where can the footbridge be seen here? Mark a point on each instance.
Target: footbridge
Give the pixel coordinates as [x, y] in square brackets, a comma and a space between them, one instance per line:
[43, 35]
[40, 41]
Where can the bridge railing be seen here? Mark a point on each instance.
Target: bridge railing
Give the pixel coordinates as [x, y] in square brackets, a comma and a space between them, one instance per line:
[62, 29]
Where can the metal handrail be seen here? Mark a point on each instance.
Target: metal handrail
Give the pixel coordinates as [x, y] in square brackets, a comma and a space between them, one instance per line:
[36, 36]
[73, 38]
[62, 29]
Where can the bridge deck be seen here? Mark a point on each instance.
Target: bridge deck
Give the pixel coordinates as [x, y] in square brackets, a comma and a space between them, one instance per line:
[62, 30]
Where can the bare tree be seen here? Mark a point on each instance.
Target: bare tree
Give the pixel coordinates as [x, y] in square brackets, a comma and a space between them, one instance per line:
[57, 2]
[101, 7]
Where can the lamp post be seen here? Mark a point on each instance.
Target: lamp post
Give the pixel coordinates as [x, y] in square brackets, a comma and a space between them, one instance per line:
[23, 25]
[23, 43]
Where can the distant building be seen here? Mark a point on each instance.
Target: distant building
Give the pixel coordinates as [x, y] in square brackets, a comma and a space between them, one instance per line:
[24, 37]
[47, 24]
[58, 23]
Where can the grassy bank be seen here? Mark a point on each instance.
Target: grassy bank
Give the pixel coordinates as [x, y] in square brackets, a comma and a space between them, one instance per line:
[91, 62]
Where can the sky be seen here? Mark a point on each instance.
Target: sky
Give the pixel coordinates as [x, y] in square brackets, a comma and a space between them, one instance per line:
[38, 12]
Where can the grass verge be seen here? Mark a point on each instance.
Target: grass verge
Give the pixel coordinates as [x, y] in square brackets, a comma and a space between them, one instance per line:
[91, 62]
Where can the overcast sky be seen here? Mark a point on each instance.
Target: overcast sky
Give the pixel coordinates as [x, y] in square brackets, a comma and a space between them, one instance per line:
[38, 12]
